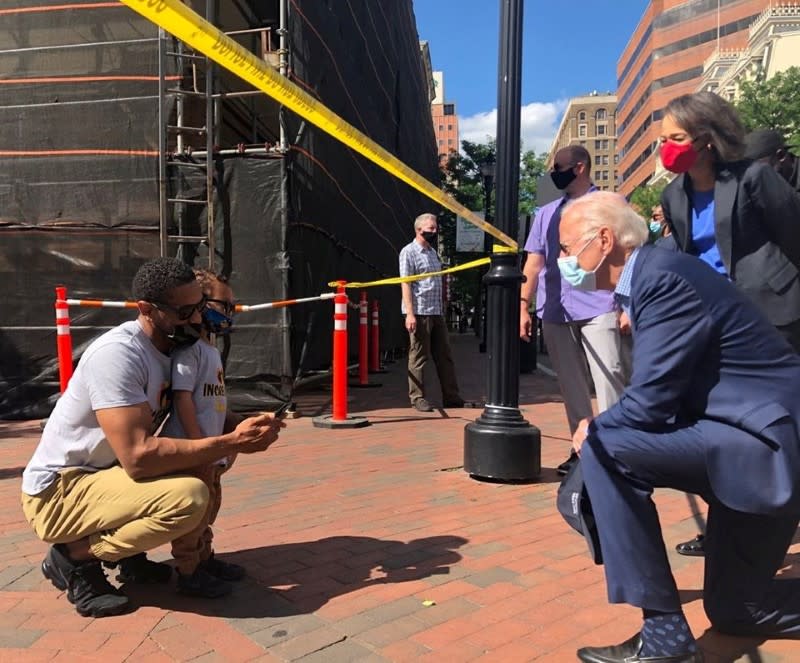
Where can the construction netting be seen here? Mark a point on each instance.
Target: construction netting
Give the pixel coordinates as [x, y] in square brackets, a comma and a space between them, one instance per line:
[79, 186]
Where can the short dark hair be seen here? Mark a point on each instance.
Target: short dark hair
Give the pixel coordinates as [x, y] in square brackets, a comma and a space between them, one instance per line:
[579, 154]
[707, 115]
[158, 276]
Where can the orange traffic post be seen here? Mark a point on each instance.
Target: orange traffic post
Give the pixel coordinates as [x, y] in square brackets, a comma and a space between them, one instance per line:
[375, 340]
[363, 339]
[63, 338]
[339, 417]
[363, 344]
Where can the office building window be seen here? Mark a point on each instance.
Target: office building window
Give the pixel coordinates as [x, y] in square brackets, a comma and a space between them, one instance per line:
[449, 127]
[582, 116]
[449, 109]
[582, 130]
[601, 129]
[597, 160]
[600, 114]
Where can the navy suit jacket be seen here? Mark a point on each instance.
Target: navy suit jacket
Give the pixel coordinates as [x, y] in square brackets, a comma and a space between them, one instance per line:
[705, 356]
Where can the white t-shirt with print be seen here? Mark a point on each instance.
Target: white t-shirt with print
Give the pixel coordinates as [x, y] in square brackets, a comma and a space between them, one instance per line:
[198, 369]
[120, 368]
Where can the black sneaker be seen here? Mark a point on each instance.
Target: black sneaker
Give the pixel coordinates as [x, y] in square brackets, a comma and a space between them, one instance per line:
[87, 587]
[202, 584]
[223, 570]
[140, 570]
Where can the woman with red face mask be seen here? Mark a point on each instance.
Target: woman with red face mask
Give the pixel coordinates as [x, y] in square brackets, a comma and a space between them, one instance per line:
[739, 216]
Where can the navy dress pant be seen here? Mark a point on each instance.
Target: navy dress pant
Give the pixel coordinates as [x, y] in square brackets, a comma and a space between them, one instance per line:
[744, 551]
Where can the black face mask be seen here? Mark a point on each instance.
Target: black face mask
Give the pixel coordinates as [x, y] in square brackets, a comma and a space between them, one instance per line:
[563, 179]
[431, 238]
[185, 335]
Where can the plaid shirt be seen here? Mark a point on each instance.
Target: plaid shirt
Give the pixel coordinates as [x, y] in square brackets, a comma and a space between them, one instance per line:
[426, 294]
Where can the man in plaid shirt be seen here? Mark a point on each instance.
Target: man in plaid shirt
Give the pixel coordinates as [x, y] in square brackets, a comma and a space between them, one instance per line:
[423, 308]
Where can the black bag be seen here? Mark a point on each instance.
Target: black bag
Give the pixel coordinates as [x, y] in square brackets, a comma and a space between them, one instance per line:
[573, 504]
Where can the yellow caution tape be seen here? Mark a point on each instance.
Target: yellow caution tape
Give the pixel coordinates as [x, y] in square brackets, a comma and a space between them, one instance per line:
[188, 26]
[408, 279]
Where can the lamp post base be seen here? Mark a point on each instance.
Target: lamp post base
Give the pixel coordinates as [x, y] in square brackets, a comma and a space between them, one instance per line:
[502, 448]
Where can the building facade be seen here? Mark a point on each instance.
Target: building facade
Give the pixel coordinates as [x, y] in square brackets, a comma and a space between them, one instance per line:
[445, 120]
[773, 46]
[590, 121]
[665, 58]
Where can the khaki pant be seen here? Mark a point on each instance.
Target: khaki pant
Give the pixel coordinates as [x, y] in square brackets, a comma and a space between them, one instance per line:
[430, 340]
[195, 546]
[597, 342]
[120, 516]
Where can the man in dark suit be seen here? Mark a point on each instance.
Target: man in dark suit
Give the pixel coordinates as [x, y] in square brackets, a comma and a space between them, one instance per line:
[711, 409]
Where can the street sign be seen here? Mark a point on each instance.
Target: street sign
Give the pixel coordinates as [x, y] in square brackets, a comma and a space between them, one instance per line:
[469, 238]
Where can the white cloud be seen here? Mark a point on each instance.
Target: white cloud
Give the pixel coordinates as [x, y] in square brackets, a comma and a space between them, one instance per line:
[538, 125]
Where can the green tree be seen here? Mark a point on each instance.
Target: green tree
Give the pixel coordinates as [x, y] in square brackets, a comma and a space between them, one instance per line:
[645, 198]
[773, 103]
[463, 180]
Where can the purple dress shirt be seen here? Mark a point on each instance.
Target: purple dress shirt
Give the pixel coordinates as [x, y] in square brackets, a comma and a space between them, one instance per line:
[556, 300]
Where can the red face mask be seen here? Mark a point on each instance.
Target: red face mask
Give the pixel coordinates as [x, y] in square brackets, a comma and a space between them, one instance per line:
[678, 157]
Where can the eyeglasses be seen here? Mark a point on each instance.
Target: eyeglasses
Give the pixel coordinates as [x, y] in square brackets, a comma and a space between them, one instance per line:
[182, 312]
[565, 248]
[560, 169]
[228, 308]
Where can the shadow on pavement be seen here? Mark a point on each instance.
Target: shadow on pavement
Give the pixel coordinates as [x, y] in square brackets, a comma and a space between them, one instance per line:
[298, 578]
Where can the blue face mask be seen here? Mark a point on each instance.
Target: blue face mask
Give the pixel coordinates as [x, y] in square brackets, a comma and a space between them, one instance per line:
[216, 322]
[575, 275]
[655, 228]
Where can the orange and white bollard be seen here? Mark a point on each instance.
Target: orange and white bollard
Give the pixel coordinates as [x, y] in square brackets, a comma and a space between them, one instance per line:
[63, 338]
[375, 340]
[339, 418]
[363, 340]
[363, 344]
[340, 355]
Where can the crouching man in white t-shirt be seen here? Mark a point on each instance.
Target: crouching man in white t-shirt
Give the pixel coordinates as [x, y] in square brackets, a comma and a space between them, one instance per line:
[100, 486]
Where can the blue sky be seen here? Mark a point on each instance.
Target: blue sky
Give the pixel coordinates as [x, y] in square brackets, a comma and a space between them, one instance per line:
[570, 48]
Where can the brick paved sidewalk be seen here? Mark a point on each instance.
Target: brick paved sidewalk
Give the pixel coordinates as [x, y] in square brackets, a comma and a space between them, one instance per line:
[365, 545]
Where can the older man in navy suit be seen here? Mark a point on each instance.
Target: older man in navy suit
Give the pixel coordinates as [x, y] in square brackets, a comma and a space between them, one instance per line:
[712, 409]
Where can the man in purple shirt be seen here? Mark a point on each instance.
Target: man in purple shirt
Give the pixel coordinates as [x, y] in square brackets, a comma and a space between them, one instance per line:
[578, 326]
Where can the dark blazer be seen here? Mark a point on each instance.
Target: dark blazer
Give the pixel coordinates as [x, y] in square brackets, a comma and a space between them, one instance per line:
[757, 228]
[704, 356]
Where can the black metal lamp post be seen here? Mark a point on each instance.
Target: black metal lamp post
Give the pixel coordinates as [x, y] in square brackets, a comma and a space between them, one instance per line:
[500, 444]
[487, 169]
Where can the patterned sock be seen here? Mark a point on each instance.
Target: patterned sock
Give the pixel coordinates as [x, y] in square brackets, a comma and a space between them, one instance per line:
[666, 634]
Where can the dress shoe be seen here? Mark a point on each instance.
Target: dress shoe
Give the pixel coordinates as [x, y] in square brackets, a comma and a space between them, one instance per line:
[693, 548]
[564, 467]
[628, 652]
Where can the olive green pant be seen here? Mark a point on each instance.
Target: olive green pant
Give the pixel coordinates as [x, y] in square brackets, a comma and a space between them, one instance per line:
[430, 340]
[120, 516]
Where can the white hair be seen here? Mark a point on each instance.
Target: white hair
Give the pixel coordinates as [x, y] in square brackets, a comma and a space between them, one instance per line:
[422, 218]
[600, 209]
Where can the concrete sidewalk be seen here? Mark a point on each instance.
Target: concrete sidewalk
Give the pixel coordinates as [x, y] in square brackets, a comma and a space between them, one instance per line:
[366, 545]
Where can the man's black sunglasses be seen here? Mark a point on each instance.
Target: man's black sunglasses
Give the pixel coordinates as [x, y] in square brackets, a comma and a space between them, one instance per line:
[183, 312]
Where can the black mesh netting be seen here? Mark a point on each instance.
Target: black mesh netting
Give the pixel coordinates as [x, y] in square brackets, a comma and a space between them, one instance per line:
[79, 187]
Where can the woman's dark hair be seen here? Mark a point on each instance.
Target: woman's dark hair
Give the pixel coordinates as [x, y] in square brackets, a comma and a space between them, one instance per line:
[708, 117]
[158, 276]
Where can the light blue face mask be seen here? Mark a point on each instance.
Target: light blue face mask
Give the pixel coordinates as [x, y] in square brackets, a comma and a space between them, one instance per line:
[575, 275]
[655, 229]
